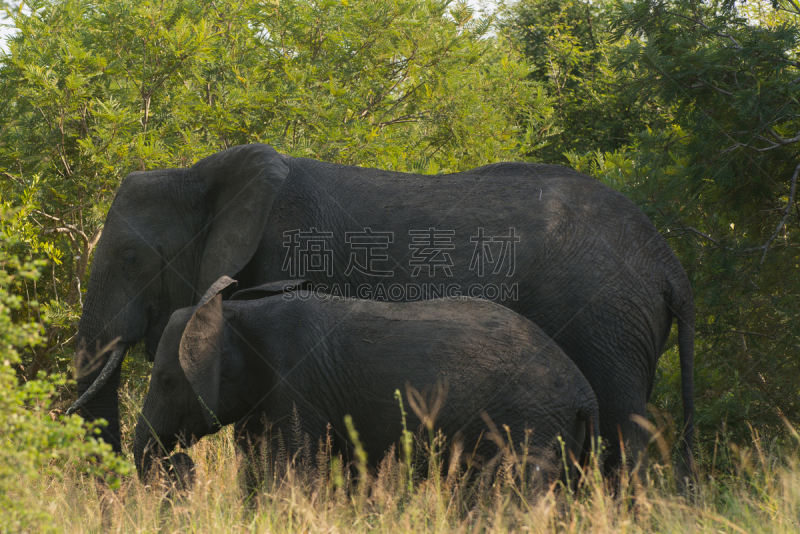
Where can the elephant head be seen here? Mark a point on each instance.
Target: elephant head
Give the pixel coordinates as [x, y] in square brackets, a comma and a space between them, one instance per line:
[183, 401]
[168, 236]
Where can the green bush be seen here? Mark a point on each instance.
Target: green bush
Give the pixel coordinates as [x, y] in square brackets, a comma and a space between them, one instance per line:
[35, 443]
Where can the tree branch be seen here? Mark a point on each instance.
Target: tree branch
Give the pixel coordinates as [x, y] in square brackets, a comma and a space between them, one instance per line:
[701, 234]
[743, 332]
[701, 83]
[80, 271]
[781, 141]
[778, 143]
[12, 178]
[413, 117]
[66, 226]
[787, 212]
[700, 23]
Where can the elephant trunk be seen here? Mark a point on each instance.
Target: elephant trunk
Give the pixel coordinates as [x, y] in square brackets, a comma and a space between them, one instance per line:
[97, 393]
[149, 449]
[98, 371]
[98, 397]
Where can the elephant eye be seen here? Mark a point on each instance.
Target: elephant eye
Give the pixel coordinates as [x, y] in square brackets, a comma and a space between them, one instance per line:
[167, 383]
[130, 263]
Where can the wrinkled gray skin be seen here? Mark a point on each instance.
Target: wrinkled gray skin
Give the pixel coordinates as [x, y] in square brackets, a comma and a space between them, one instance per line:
[250, 361]
[591, 269]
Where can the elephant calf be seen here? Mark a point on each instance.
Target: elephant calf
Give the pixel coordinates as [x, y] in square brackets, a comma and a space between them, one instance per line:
[276, 354]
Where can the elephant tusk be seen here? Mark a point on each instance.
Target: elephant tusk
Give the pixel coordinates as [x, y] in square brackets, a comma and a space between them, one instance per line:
[112, 363]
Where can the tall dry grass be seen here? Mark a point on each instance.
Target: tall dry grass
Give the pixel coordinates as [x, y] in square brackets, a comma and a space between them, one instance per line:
[758, 491]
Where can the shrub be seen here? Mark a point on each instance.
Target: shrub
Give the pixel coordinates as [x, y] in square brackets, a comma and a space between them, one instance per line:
[35, 444]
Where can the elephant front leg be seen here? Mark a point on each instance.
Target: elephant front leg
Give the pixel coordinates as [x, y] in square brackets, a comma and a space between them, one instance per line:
[257, 456]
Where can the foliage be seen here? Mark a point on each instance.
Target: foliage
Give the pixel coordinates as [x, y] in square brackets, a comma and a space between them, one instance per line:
[688, 108]
[35, 445]
[90, 91]
[691, 110]
[756, 490]
[571, 46]
[720, 181]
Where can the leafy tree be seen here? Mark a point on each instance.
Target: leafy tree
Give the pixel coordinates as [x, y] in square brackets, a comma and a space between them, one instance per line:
[690, 109]
[92, 90]
[720, 181]
[571, 47]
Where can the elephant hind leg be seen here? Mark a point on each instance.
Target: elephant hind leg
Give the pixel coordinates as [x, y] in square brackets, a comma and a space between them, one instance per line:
[627, 449]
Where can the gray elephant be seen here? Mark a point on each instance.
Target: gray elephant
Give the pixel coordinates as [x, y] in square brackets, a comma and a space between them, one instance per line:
[257, 360]
[559, 248]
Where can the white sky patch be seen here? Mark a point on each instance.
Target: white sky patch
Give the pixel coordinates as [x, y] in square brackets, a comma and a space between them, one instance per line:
[5, 31]
[7, 28]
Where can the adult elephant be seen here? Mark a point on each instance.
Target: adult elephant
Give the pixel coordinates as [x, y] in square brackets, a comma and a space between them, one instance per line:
[574, 256]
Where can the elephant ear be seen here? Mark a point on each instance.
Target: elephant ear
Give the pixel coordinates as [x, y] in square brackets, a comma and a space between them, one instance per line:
[240, 186]
[216, 288]
[272, 289]
[200, 352]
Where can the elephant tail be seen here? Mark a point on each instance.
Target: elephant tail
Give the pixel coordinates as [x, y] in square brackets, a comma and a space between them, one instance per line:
[682, 304]
[588, 415]
[686, 317]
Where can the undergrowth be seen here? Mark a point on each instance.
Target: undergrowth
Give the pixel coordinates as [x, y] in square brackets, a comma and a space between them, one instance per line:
[759, 491]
